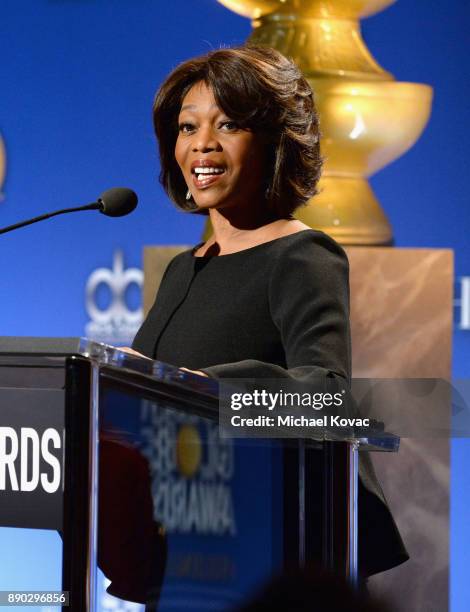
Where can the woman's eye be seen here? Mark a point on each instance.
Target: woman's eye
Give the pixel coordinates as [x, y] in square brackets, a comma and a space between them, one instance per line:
[230, 125]
[185, 127]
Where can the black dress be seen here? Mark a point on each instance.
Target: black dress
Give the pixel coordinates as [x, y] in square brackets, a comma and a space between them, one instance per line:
[276, 310]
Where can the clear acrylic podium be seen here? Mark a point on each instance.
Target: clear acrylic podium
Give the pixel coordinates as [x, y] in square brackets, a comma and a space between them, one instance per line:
[119, 459]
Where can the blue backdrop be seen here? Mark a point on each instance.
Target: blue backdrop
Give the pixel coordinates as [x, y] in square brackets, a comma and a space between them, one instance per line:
[77, 81]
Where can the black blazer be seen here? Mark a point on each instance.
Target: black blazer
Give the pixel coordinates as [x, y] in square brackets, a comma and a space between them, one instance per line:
[277, 310]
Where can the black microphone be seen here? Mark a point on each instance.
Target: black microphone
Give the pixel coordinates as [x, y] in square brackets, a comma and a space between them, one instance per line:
[115, 202]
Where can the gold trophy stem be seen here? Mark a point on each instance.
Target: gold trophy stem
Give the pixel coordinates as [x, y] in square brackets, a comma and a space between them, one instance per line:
[367, 119]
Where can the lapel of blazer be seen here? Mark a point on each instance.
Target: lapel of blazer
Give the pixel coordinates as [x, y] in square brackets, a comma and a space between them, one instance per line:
[171, 294]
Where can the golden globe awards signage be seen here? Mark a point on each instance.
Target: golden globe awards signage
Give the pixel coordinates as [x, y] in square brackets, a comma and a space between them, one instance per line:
[193, 470]
[31, 457]
[462, 302]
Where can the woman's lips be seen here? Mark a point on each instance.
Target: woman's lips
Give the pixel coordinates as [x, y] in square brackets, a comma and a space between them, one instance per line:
[206, 179]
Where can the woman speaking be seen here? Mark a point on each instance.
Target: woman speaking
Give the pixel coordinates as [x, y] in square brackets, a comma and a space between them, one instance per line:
[265, 296]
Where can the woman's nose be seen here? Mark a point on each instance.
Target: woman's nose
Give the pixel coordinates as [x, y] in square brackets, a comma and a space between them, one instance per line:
[206, 140]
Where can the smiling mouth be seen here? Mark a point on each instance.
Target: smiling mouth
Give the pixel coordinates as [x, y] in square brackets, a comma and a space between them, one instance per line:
[205, 176]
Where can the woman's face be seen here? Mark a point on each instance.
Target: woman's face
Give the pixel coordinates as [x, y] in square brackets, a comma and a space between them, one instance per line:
[222, 164]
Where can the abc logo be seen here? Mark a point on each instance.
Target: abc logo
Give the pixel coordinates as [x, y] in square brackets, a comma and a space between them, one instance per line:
[117, 280]
[117, 322]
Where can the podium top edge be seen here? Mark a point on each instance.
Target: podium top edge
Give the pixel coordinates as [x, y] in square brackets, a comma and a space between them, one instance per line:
[34, 345]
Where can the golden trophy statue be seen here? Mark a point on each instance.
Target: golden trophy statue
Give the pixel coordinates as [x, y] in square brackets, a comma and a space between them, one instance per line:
[367, 118]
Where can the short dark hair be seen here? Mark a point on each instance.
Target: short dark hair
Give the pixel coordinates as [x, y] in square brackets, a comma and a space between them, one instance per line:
[263, 91]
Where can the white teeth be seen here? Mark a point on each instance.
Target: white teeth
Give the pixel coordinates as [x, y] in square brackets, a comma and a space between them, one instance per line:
[208, 170]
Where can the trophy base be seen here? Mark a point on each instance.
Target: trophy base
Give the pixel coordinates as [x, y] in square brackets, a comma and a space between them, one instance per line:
[347, 210]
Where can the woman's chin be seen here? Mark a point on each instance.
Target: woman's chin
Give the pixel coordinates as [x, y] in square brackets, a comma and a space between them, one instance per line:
[205, 203]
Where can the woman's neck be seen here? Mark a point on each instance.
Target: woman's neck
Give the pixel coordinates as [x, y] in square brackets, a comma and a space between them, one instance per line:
[230, 235]
[228, 226]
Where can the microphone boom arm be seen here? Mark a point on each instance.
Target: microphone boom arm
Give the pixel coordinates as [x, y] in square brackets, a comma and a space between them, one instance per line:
[94, 206]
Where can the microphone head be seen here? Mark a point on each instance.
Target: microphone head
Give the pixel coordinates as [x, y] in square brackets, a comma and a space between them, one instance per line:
[117, 202]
